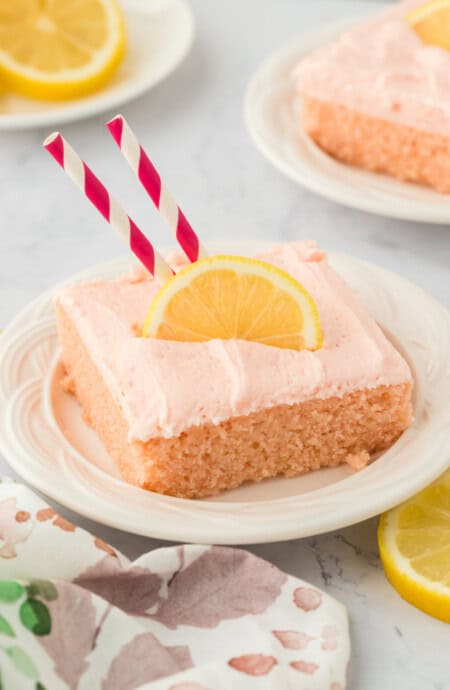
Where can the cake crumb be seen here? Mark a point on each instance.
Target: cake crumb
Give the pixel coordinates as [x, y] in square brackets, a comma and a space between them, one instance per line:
[358, 461]
[68, 384]
[87, 419]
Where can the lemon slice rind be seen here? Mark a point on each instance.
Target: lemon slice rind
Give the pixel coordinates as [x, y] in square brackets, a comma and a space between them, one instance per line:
[428, 595]
[425, 10]
[429, 24]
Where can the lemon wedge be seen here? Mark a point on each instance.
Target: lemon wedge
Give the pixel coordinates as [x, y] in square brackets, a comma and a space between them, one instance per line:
[59, 49]
[234, 297]
[431, 22]
[414, 542]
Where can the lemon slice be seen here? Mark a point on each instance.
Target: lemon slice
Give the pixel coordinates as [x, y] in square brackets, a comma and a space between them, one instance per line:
[431, 22]
[233, 297]
[58, 49]
[414, 541]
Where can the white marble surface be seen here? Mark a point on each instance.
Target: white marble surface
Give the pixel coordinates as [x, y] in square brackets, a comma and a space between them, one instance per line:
[193, 126]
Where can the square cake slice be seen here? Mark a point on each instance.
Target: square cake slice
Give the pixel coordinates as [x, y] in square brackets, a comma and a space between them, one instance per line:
[379, 98]
[194, 419]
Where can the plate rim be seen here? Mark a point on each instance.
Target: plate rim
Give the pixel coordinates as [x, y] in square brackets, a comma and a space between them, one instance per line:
[309, 178]
[252, 532]
[77, 111]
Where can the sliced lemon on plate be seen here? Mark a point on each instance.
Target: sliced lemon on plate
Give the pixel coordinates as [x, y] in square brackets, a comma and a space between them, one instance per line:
[414, 541]
[234, 297]
[58, 49]
[431, 22]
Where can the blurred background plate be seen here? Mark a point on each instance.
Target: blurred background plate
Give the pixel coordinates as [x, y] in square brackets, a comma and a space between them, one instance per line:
[160, 34]
[272, 114]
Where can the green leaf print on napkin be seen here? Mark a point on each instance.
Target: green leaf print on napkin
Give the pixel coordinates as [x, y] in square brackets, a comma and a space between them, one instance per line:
[10, 590]
[5, 629]
[36, 617]
[22, 662]
[42, 588]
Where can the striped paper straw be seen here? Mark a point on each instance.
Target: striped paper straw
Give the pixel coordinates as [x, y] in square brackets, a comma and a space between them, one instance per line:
[151, 181]
[98, 195]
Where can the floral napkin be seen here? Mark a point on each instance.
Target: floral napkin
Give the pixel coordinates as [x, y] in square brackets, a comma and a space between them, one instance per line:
[77, 615]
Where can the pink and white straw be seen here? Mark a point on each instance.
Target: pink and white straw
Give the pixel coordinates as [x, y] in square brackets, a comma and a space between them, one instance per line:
[98, 195]
[157, 191]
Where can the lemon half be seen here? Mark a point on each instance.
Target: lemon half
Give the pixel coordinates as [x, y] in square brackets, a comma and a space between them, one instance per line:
[59, 49]
[414, 541]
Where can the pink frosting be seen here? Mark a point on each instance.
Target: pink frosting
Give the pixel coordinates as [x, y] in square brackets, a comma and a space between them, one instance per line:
[382, 68]
[166, 387]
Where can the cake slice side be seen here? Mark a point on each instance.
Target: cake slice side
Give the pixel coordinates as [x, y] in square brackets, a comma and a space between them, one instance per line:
[378, 145]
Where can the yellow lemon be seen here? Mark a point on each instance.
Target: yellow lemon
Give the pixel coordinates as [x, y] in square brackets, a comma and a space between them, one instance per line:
[234, 297]
[58, 49]
[431, 22]
[414, 541]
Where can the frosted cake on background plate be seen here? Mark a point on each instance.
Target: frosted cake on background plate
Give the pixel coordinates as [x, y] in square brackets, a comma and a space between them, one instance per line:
[378, 97]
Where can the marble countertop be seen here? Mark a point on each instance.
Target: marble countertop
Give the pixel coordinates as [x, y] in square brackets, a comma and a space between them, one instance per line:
[193, 125]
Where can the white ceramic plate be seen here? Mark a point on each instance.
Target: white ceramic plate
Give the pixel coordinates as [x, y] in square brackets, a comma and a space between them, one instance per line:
[160, 34]
[43, 437]
[272, 114]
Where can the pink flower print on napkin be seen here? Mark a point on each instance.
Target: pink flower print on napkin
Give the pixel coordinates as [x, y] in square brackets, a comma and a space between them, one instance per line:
[132, 589]
[291, 639]
[188, 686]
[15, 527]
[308, 667]
[253, 664]
[307, 598]
[45, 514]
[57, 520]
[103, 546]
[143, 660]
[329, 638]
